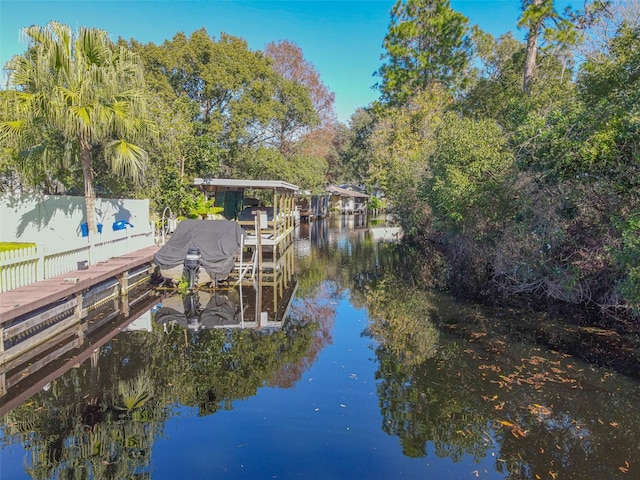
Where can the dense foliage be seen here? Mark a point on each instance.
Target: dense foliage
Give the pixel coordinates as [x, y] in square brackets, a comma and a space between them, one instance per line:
[527, 178]
[218, 109]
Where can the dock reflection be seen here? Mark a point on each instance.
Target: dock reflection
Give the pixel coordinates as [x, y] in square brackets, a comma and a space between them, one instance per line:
[264, 303]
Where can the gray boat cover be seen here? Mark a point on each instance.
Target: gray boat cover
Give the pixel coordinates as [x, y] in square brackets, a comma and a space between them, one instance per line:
[219, 242]
[220, 311]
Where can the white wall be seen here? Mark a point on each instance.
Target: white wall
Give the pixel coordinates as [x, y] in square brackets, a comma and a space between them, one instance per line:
[54, 221]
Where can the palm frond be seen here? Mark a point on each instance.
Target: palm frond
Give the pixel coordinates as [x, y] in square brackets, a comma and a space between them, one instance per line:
[11, 129]
[127, 158]
[135, 393]
[77, 85]
[69, 95]
[83, 114]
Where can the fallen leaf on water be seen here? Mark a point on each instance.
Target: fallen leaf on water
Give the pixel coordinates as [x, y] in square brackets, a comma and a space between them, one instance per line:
[518, 432]
[537, 409]
[506, 423]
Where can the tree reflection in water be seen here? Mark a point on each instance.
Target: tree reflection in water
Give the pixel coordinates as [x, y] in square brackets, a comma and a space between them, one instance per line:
[101, 418]
[450, 379]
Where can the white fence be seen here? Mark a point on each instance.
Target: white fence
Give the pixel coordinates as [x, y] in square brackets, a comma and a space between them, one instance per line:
[28, 265]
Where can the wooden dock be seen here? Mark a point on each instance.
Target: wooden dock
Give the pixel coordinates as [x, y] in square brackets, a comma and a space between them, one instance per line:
[27, 374]
[29, 298]
[32, 315]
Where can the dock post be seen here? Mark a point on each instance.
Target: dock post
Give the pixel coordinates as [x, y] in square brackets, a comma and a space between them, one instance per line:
[259, 240]
[78, 309]
[3, 375]
[78, 315]
[124, 305]
[81, 327]
[123, 281]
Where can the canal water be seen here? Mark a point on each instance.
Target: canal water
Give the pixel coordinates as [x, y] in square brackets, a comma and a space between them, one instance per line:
[339, 367]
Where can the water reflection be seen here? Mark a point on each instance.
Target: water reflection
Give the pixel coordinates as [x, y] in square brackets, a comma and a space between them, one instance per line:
[455, 391]
[221, 309]
[101, 418]
[453, 378]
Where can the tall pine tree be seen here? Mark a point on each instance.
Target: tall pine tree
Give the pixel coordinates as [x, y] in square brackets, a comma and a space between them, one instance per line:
[427, 43]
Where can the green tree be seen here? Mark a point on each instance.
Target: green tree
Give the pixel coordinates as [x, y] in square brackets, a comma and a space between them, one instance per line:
[541, 19]
[534, 13]
[354, 156]
[498, 86]
[292, 114]
[244, 99]
[467, 186]
[497, 91]
[400, 145]
[427, 42]
[78, 86]
[232, 85]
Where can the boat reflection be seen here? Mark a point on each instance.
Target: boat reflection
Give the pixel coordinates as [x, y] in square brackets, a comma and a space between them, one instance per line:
[221, 309]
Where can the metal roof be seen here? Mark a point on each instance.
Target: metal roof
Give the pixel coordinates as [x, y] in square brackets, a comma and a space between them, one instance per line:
[346, 192]
[245, 184]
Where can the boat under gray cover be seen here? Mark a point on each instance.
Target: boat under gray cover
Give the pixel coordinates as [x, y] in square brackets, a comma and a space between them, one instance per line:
[219, 242]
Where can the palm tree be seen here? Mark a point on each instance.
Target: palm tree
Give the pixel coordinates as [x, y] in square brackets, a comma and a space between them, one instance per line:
[534, 13]
[83, 88]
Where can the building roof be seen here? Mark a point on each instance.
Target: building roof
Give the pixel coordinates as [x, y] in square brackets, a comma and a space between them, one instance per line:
[241, 184]
[344, 192]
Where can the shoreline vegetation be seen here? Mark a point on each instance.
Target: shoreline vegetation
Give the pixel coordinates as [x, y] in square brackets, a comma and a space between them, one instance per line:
[444, 267]
[607, 340]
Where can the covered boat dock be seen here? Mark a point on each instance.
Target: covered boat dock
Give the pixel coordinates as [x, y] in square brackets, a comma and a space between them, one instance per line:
[270, 210]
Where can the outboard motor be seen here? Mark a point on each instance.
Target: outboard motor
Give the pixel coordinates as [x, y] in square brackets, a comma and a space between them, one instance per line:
[192, 263]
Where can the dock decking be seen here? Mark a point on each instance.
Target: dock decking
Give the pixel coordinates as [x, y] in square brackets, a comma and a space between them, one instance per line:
[29, 298]
[33, 316]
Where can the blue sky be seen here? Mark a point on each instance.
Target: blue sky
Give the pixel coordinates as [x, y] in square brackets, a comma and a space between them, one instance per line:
[341, 38]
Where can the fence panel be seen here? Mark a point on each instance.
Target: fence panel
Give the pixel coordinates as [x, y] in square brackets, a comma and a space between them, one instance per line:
[18, 268]
[31, 264]
[59, 263]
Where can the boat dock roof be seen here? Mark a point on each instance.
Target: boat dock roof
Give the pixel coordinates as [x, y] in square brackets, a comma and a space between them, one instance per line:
[241, 184]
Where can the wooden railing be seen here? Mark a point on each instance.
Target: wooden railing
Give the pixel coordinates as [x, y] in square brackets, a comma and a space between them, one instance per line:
[32, 264]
